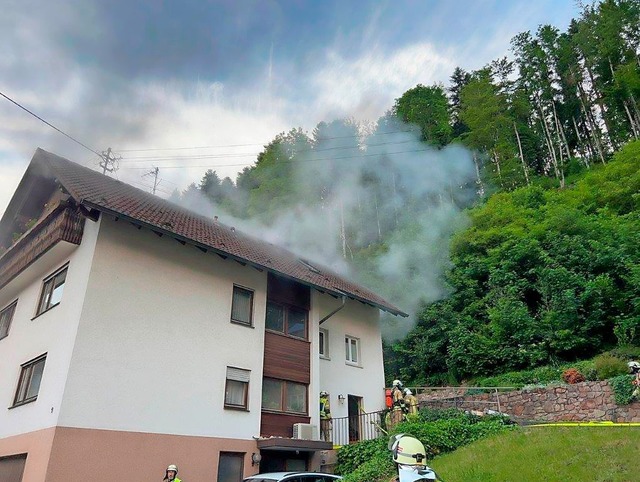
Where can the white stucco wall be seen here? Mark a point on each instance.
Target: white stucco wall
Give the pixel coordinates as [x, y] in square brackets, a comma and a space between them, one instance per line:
[336, 376]
[155, 339]
[53, 332]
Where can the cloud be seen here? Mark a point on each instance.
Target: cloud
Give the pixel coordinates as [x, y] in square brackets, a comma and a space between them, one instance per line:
[366, 86]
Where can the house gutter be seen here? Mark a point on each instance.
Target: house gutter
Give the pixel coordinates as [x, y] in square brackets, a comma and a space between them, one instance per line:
[344, 301]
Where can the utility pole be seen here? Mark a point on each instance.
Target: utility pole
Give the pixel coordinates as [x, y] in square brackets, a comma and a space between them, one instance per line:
[109, 162]
[154, 172]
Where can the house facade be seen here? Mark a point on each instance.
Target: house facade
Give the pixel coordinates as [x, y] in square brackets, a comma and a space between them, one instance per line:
[136, 334]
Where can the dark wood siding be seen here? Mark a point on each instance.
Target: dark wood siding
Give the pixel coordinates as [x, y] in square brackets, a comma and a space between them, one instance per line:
[62, 224]
[288, 292]
[279, 425]
[287, 358]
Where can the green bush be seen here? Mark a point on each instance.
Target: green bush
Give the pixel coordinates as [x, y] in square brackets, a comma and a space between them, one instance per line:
[627, 352]
[608, 366]
[440, 431]
[352, 456]
[622, 389]
[378, 467]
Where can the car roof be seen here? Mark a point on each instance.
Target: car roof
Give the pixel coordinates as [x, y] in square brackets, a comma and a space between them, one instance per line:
[280, 475]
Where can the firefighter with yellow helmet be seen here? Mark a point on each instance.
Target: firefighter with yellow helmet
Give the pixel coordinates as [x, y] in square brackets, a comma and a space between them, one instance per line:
[409, 455]
[325, 417]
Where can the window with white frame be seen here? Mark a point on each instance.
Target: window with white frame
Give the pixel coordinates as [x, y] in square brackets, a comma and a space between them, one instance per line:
[29, 382]
[236, 390]
[52, 289]
[242, 306]
[6, 316]
[323, 343]
[352, 350]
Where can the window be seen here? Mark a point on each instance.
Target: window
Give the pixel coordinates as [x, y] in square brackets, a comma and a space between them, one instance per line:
[29, 383]
[284, 396]
[236, 390]
[286, 319]
[52, 291]
[324, 343]
[242, 306]
[6, 316]
[352, 350]
[230, 467]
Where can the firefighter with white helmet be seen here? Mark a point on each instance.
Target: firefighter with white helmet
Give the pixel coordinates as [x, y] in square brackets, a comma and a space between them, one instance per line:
[171, 474]
[410, 402]
[398, 407]
[634, 369]
[325, 417]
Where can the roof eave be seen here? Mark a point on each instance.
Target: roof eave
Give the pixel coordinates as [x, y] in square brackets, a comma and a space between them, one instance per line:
[184, 239]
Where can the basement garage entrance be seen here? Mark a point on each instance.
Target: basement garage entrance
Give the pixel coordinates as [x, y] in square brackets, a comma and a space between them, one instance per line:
[12, 468]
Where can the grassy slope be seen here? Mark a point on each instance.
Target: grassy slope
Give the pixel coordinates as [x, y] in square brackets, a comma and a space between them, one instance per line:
[562, 454]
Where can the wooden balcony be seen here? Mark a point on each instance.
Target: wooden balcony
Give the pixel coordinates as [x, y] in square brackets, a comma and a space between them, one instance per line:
[63, 223]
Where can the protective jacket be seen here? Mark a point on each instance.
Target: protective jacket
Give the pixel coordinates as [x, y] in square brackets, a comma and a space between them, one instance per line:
[325, 410]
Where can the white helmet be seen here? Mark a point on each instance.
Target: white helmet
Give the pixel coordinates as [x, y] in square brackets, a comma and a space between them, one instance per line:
[173, 467]
[634, 366]
[397, 383]
[323, 393]
[408, 392]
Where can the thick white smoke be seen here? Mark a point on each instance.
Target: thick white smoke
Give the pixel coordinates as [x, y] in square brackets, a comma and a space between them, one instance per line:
[379, 208]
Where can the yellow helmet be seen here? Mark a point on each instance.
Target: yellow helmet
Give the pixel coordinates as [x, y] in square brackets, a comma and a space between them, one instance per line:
[408, 450]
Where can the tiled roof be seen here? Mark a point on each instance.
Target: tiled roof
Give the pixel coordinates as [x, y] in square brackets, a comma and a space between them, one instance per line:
[108, 195]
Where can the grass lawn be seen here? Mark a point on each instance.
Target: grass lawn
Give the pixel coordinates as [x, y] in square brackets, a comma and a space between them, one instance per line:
[558, 454]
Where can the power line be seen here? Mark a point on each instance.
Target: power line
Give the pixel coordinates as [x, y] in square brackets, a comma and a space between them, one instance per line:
[290, 161]
[249, 145]
[237, 154]
[50, 125]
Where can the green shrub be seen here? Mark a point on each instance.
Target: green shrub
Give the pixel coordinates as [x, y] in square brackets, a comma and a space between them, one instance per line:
[378, 467]
[608, 366]
[622, 387]
[446, 430]
[627, 352]
[352, 456]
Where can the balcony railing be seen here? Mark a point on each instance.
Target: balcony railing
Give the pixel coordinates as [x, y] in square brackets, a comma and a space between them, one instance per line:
[364, 426]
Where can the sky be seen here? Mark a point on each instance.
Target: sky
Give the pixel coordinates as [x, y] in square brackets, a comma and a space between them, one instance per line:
[188, 85]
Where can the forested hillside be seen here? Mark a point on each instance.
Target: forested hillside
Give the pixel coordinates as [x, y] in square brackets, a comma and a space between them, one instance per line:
[502, 209]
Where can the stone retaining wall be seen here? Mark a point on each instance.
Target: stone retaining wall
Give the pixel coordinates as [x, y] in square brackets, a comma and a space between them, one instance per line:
[587, 401]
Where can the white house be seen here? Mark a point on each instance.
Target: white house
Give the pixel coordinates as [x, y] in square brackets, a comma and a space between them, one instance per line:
[135, 334]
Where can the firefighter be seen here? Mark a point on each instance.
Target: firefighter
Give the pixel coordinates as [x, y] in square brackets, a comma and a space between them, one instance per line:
[410, 402]
[409, 456]
[171, 474]
[634, 369]
[325, 417]
[398, 409]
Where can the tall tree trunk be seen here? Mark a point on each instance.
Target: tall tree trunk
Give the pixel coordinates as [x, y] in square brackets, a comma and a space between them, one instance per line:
[582, 152]
[497, 162]
[632, 121]
[594, 129]
[549, 140]
[524, 164]
[561, 130]
[600, 103]
[479, 182]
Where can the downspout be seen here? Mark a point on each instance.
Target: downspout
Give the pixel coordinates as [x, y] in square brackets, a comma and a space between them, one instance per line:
[344, 301]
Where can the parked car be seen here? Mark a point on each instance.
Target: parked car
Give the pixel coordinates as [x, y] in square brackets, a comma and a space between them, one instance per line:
[293, 477]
